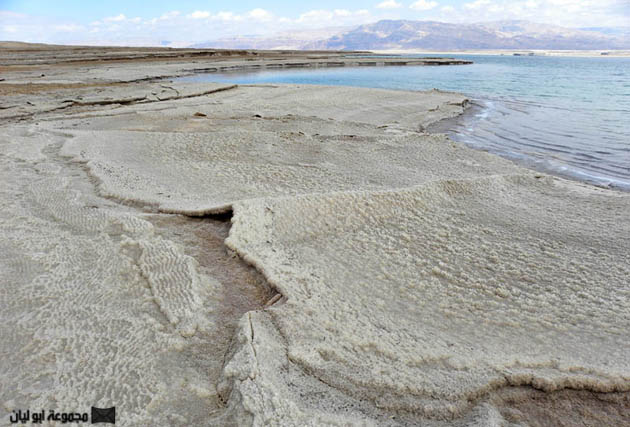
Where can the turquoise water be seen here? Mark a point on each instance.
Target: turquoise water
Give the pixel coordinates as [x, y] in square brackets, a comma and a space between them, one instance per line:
[565, 115]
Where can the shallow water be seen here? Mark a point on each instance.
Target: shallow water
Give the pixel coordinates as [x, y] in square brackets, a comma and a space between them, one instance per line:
[568, 116]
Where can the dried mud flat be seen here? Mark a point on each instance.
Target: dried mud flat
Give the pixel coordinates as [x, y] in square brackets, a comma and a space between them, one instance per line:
[291, 255]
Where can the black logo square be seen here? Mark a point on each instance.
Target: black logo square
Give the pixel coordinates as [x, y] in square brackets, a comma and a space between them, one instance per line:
[104, 415]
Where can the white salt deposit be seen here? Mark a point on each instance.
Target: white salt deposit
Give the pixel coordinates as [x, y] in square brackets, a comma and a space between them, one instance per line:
[421, 281]
[427, 299]
[95, 306]
[195, 166]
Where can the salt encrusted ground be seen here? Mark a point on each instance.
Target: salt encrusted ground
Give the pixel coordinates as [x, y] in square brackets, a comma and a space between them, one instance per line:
[421, 281]
[427, 300]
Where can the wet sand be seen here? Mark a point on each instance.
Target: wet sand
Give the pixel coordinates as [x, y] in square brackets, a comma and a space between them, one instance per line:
[215, 254]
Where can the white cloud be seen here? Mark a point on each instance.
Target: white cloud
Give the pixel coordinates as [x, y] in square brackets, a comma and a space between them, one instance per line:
[563, 2]
[447, 9]
[170, 15]
[477, 4]
[423, 5]
[227, 16]
[567, 13]
[389, 4]
[69, 28]
[342, 12]
[315, 15]
[200, 14]
[323, 17]
[7, 14]
[165, 18]
[260, 14]
[118, 18]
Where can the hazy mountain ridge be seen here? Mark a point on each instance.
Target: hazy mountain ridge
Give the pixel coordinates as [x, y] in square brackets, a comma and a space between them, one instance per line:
[285, 40]
[404, 34]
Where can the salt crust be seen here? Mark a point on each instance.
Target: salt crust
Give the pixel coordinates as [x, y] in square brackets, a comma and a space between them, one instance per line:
[96, 308]
[418, 299]
[427, 299]
[419, 276]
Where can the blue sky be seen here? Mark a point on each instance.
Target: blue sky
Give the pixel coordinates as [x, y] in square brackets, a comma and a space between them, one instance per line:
[186, 21]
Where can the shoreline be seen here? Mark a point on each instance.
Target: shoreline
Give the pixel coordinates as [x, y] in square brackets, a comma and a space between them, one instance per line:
[465, 135]
[568, 173]
[474, 289]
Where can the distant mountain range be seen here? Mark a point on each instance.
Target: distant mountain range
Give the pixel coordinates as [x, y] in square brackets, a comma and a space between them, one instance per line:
[403, 34]
[297, 39]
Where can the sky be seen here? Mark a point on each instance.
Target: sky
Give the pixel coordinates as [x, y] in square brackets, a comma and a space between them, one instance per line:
[183, 22]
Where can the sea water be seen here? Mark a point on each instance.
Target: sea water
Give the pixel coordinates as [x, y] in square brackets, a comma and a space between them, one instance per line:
[564, 115]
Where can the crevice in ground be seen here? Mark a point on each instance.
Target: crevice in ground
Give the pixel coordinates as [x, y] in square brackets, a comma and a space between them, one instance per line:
[202, 238]
[72, 104]
[239, 287]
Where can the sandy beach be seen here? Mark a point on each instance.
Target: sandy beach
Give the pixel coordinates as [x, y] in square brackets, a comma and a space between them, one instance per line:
[220, 254]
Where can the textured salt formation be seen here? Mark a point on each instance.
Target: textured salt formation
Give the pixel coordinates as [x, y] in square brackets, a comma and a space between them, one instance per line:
[97, 307]
[523, 405]
[459, 288]
[51, 97]
[237, 153]
[425, 303]
[398, 109]
[427, 299]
